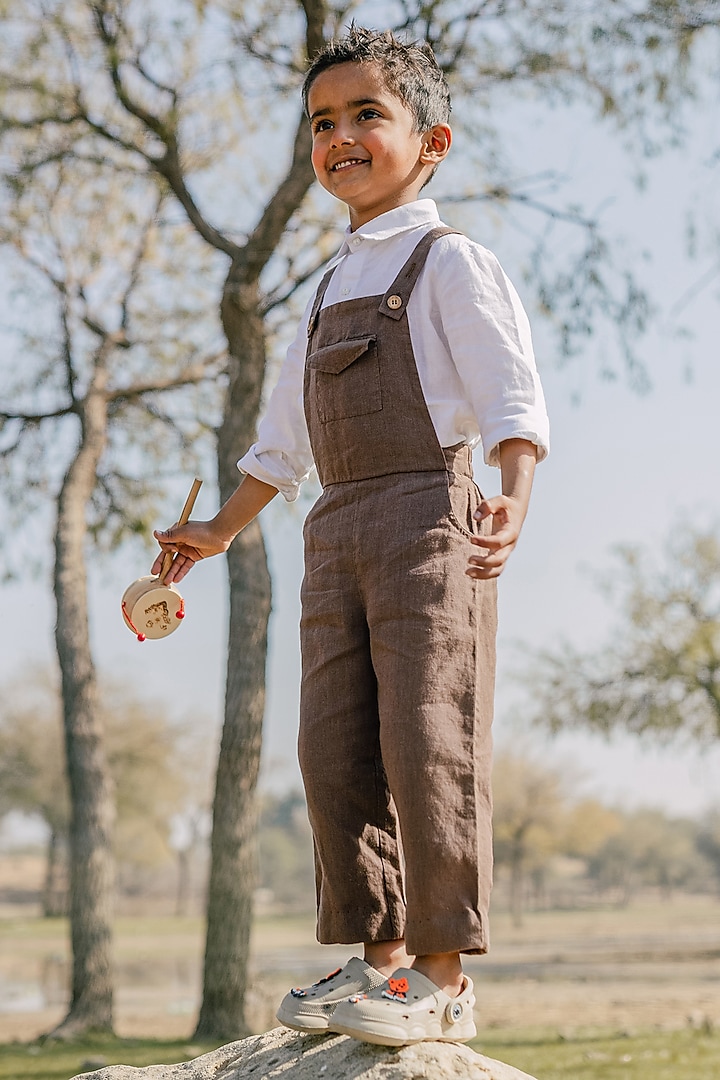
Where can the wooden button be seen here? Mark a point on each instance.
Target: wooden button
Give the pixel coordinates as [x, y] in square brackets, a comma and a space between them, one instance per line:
[394, 302]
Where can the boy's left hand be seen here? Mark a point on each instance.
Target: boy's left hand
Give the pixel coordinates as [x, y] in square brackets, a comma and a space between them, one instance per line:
[517, 465]
[507, 518]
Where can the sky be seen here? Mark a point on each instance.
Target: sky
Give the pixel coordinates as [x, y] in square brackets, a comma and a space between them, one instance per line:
[624, 468]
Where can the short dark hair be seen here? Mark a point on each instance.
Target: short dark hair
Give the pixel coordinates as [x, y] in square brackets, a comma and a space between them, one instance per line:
[409, 69]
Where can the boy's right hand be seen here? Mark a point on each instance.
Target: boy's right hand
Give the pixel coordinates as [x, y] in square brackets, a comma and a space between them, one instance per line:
[192, 542]
[201, 539]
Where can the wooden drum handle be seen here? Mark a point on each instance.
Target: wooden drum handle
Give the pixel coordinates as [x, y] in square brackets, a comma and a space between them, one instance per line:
[182, 520]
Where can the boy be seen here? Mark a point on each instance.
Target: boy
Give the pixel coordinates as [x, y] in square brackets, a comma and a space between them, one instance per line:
[414, 345]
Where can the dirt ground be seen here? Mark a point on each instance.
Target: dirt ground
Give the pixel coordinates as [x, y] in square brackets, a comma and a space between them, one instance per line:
[653, 964]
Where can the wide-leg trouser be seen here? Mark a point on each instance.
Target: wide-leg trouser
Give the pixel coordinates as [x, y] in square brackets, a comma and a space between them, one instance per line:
[398, 649]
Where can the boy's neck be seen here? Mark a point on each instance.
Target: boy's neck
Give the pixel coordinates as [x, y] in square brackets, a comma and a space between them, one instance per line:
[357, 220]
[410, 202]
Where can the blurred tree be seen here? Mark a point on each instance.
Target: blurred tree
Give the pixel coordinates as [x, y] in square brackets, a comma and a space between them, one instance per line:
[157, 764]
[285, 852]
[193, 93]
[192, 829]
[708, 840]
[151, 761]
[588, 827]
[660, 675]
[91, 401]
[651, 850]
[32, 775]
[530, 806]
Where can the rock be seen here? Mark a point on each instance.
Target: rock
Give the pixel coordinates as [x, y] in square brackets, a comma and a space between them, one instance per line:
[286, 1054]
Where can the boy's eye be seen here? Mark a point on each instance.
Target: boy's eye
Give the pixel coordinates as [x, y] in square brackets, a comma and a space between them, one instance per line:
[368, 114]
[322, 125]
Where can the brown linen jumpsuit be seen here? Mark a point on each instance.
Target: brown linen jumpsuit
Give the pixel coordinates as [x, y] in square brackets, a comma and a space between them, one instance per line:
[398, 644]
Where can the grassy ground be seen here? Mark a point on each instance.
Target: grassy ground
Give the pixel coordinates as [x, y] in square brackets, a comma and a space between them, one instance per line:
[60, 1061]
[602, 1055]
[574, 995]
[590, 1055]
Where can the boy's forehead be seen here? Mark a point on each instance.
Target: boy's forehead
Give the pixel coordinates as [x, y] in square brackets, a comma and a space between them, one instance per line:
[349, 83]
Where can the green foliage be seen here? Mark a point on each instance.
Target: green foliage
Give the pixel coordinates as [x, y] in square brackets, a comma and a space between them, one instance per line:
[661, 673]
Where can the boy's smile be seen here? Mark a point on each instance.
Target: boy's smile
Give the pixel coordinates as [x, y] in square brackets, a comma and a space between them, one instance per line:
[366, 150]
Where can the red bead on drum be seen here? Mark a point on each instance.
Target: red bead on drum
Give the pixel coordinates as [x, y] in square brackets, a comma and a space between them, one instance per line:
[141, 637]
[180, 614]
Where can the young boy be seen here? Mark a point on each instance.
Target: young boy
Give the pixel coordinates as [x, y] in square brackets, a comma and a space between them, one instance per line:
[414, 346]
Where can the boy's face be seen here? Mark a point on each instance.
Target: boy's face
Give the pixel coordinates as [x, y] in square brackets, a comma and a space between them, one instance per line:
[365, 149]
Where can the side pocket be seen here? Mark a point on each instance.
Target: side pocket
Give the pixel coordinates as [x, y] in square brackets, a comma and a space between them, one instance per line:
[464, 498]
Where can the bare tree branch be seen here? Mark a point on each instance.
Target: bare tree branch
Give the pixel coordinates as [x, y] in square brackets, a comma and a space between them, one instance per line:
[138, 260]
[505, 194]
[189, 376]
[169, 164]
[263, 241]
[296, 280]
[37, 417]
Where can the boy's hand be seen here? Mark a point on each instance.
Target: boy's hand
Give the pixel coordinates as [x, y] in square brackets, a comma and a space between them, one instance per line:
[517, 465]
[195, 541]
[200, 539]
[507, 518]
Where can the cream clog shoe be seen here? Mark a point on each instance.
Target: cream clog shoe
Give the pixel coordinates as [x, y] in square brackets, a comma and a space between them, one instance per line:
[310, 1009]
[407, 1008]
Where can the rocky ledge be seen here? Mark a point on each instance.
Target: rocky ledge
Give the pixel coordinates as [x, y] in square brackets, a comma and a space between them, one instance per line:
[284, 1053]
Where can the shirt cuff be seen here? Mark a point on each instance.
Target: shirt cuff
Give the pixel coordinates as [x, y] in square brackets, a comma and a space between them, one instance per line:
[492, 455]
[271, 472]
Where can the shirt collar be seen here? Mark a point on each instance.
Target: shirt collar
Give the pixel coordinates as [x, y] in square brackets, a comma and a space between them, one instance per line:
[399, 220]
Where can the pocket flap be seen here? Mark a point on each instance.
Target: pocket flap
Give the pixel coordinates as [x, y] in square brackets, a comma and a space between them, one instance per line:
[335, 358]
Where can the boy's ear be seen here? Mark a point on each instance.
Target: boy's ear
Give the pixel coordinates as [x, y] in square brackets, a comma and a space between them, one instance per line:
[436, 144]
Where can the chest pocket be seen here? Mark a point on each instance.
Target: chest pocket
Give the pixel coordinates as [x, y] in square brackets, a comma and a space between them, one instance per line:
[344, 379]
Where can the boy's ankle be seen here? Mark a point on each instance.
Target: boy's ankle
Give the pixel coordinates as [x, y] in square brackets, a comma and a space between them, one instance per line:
[387, 956]
[443, 969]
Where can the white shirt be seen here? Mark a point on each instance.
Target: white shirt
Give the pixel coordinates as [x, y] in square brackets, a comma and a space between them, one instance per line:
[470, 336]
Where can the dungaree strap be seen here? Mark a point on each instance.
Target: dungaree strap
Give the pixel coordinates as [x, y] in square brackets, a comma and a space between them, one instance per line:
[394, 302]
[395, 299]
[317, 302]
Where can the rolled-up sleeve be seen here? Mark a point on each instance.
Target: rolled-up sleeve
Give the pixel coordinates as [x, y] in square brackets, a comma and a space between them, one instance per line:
[488, 337]
[282, 456]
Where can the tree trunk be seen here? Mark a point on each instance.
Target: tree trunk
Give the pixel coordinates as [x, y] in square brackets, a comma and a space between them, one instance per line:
[91, 864]
[182, 892]
[517, 884]
[54, 899]
[232, 867]
[232, 849]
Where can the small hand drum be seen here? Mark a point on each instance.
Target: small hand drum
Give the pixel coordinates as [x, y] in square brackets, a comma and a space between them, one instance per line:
[150, 608]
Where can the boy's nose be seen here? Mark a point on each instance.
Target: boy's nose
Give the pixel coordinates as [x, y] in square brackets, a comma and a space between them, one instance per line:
[341, 137]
